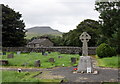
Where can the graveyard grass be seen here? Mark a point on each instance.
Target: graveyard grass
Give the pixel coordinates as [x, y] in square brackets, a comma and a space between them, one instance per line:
[28, 59]
[14, 76]
[112, 62]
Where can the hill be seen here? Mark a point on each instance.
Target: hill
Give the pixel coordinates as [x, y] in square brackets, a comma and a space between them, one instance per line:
[43, 30]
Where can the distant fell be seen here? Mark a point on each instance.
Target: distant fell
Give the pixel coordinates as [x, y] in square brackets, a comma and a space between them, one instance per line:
[41, 30]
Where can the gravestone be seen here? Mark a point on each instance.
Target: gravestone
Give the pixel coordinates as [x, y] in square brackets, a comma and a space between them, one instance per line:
[25, 64]
[59, 56]
[10, 56]
[51, 60]
[85, 63]
[37, 63]
[4, 53]
[73, 60]
[3, 62]
[45, 54]
[18, 52]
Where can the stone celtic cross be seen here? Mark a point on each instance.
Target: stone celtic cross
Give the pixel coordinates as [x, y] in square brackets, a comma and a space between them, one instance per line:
[85, 37]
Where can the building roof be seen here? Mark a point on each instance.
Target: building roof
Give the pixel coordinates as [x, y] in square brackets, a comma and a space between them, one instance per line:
[40, 40]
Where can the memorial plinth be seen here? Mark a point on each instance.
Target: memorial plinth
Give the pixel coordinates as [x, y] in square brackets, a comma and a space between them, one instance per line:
[85, 63]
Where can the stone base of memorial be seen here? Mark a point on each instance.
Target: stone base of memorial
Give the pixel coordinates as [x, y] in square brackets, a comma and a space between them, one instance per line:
[85, 65]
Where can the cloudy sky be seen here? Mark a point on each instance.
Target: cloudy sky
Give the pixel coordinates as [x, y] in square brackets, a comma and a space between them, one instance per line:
[63, 15]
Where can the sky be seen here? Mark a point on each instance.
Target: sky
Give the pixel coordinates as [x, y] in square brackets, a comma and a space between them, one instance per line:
[62, 15]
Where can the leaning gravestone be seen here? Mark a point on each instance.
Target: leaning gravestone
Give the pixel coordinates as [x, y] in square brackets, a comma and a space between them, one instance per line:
[10, 56]
[37, 63]
[51, 60]
[73, 60]
[85, 63]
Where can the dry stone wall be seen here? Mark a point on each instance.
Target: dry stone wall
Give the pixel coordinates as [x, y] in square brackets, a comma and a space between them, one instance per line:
[67, 50]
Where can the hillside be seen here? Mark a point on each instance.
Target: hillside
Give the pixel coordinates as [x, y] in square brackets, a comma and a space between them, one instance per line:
[38, 31]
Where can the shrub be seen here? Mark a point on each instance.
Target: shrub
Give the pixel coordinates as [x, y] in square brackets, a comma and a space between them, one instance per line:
[104, 50]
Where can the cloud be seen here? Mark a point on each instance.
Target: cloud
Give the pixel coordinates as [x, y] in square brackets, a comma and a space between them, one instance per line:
[63, 15]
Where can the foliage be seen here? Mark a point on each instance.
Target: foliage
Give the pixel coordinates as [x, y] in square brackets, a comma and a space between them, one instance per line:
[13, 31]
[104, 50]
[112, 62]
[72, 37]
[26, 77]
[28, 59]
[110, 20]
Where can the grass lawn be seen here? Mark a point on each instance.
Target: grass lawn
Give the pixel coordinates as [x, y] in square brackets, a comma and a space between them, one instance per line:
[30, 58]
[13, 76]
[109, 62]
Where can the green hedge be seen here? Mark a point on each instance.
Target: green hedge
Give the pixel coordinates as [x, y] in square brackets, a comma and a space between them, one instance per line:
[104, 50]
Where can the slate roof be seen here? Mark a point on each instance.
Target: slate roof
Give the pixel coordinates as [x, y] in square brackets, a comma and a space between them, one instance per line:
[35, 41]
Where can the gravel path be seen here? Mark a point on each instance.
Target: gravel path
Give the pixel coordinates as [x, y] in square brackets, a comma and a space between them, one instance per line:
[104, 75]
[25, 69]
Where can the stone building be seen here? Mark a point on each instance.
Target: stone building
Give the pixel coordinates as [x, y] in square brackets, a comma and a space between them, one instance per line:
[40, 42]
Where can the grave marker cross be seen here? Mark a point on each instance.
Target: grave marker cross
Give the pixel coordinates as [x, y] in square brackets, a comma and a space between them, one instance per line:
[85, 37]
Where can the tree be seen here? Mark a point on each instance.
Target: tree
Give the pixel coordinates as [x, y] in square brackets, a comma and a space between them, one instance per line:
[110, 20]
[72, 37]
[13, 31]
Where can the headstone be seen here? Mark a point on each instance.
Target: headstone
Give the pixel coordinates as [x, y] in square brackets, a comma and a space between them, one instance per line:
[73, 60]
[85, 63]
[25, 64]
[59, 56]
[18, 52]
[45, 54]
[4, 62]
[37, 63]
[10, 56]
[4, 53]
[51, 60]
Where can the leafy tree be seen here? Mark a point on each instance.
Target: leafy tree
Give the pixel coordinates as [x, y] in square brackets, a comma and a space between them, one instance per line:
[110, 20]
[72, 37]
[13, 31]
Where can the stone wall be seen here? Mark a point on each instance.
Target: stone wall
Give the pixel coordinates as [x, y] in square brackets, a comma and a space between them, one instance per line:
[70, 50]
